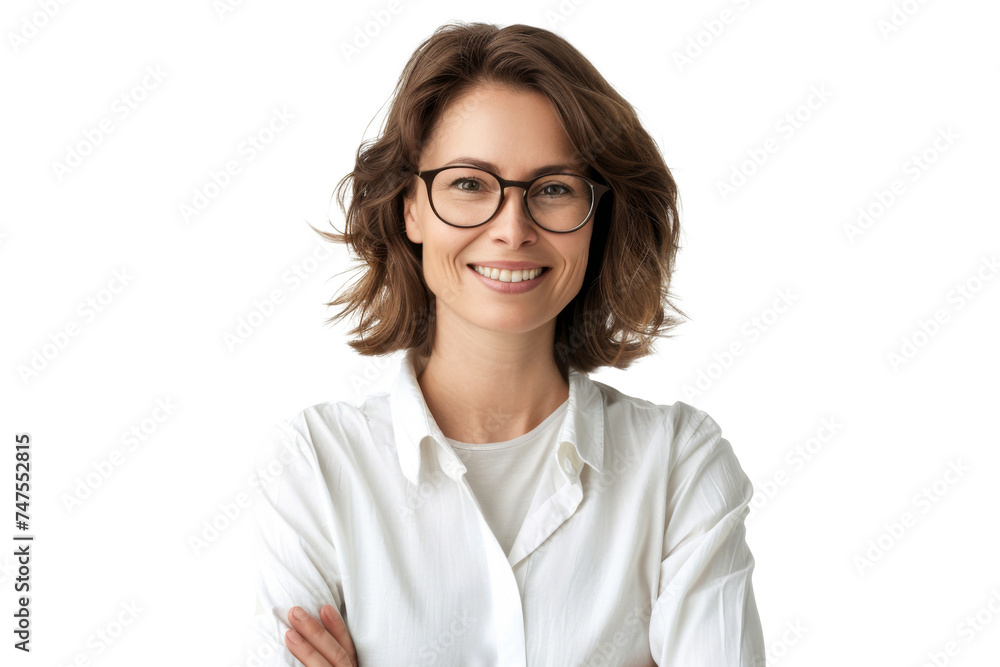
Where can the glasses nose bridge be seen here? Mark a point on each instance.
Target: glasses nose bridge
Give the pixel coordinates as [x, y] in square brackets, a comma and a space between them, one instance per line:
[508, 183]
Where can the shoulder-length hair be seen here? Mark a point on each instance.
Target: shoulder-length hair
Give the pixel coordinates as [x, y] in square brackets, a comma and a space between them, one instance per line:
[622, 305]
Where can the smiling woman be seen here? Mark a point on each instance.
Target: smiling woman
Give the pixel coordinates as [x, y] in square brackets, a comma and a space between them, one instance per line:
[517, 228]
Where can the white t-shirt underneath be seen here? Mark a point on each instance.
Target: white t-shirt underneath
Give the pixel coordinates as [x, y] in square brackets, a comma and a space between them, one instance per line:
[504, 475]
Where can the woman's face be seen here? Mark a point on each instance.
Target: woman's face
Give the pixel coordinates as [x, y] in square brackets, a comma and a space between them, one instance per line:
[517, 133]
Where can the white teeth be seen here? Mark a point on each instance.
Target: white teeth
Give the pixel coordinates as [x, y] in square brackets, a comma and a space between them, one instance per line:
[506, 275]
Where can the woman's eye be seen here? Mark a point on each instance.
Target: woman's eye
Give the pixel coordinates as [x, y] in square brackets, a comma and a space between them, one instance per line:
[474, 185]
[554, 190]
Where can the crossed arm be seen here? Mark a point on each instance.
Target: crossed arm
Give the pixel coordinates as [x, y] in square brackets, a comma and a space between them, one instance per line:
[320, 645]
[705, 606]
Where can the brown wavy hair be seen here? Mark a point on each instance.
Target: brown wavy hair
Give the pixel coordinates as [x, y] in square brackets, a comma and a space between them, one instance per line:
[624, 302]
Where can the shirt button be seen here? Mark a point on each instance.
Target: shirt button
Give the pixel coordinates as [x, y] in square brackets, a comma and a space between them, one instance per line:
[568, 467]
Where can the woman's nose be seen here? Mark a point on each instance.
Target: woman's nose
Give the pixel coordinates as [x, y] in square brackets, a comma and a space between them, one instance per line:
[513, 221]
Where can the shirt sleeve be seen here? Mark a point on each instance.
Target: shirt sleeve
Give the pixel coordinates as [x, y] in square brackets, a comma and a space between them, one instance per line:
[705, 612]
[294, 561]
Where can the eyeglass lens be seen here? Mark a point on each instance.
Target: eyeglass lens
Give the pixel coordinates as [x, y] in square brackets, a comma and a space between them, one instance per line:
[466, 196]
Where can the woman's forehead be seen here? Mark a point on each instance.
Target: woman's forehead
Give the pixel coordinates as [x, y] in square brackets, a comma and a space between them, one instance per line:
[502, 127]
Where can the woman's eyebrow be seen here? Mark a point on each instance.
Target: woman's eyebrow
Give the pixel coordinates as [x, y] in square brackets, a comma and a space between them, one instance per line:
[489, 166]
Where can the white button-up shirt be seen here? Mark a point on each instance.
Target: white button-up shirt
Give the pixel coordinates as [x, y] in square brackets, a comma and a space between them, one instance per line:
[632, 552]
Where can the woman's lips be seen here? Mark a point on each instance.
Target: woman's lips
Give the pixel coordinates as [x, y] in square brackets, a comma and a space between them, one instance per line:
[510, 288]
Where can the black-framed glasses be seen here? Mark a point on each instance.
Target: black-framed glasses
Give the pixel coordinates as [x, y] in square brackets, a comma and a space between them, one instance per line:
[469, 197]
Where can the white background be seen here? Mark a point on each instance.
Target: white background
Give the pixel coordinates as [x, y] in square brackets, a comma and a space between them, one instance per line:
[889, 90]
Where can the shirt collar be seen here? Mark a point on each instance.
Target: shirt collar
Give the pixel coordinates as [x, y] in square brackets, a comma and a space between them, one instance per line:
[413, 424]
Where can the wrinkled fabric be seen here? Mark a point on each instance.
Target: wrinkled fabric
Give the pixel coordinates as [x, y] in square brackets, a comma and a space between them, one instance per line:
[632, 551]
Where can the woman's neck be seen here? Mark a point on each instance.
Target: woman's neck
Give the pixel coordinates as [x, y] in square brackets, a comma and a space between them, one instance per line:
[480, 391]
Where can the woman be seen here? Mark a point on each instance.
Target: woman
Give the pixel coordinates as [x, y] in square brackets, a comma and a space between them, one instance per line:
[518, 229]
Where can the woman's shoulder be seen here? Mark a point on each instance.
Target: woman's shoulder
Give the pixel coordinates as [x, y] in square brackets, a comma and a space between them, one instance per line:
[677, 422]
[327, 427]
[677, 413]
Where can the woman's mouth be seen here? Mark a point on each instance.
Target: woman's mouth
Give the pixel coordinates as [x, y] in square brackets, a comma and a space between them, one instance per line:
[510, 281]
[508, 275]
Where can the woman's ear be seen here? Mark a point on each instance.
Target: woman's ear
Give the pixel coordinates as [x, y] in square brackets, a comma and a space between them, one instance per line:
[414, 232]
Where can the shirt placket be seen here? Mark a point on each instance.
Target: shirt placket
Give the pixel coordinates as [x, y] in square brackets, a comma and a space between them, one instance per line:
[558, 495]
[508, 614]
[556, 499]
